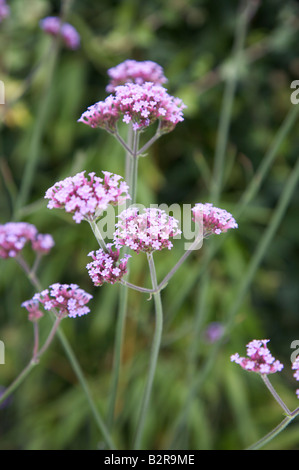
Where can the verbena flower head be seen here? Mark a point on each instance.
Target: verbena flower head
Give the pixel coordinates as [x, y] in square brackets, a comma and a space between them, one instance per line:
[52, 25]
[4, 10]
[213, 219]
[68, 299]
[14, 236]
[132, 71]
[106, 266]
[141, 105]
[32, 306]
[147, 231]
[87, 197]
[295, 367]
[259, 358]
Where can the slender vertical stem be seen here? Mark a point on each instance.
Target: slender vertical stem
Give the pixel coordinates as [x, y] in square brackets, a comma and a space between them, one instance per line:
[227, 103]
[154, 353]
[97, 234]
[275, 394]
[73, 361]
[40, 123]
[131, 176]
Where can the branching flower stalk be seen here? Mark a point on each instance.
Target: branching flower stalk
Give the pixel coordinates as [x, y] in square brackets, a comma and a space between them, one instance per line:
[154, 353]
[31, 275]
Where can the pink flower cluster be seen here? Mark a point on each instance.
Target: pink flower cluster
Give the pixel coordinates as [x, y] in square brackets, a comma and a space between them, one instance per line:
[32, 306]
[68, 299]
[106, 266]
[87, 197]
[259, 358]
[53, 26]
[148, 231]
[140, 104]
[14, 236]
[213, 219]
[295, 366]
[4, 10]
[132, 71]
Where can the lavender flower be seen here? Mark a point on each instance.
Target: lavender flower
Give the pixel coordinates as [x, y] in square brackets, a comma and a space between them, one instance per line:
[87, 198]
[259, 358]
[4, 10]
[148, 231]
[132, 71]
[140, 104]
[106, 266]
[14, 236]
[68, 300]
[214, 220]
[32, 306]
[295, 366]
[52, 25]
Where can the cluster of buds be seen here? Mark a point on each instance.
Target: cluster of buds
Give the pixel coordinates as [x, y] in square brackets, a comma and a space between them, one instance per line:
[54, 26]
[259, 358]
[67, 300]
[133, 71]
[106, 266]
[87, 197]
[148, 231]
[213, 219]
[4, 10]
[15, 235]
[140, 105]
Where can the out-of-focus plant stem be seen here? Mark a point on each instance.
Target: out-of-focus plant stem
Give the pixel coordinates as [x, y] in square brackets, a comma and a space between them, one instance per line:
[154, 353]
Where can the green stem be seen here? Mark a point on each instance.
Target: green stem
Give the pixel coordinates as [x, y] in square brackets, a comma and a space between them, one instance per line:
[131, 176]
[40, 122]
[154, 353]
[264, 440]
[275, 394]
[97, 234]
[245, 282]
[73, 361]
[227, 103]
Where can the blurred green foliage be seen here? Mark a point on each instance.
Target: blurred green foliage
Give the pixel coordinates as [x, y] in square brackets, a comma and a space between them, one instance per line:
[192, 40]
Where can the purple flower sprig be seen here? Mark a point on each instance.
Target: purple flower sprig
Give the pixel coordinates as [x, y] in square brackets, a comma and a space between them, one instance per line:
[54, 26]
[106, 266]
[140, 105]
[213, 219]
[4, 10]
[15, 235]
[87, 197]
[259, 358]
[147, 231]
[133, 71]
[67, 300]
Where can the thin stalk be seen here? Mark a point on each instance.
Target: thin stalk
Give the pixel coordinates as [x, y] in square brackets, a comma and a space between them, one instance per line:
[245, 282]
[132, 168]
[40, 123]
[154, 353]
[227, 103]
[97, 234]
[151, 141]
[264, 440]
[277, 430]
[33, 362]
[275, 394]
[179, 263]
[73, 361]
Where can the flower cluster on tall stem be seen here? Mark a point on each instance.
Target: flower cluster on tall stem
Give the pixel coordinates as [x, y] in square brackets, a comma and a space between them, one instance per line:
[147, 231]
[87, 197]
[68, 300]
[15, 235]
[133, 71]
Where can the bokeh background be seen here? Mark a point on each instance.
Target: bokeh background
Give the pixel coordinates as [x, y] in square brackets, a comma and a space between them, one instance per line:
[40, 137]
